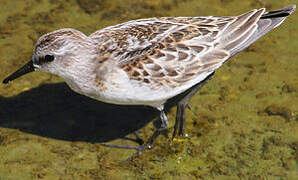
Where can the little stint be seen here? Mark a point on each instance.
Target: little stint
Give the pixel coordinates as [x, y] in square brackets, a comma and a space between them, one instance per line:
[149, 61]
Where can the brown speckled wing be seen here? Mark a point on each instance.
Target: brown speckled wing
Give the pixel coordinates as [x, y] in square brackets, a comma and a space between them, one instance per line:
[172, 51]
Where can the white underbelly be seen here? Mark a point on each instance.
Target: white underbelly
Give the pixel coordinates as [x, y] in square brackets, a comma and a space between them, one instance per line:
[119, 89]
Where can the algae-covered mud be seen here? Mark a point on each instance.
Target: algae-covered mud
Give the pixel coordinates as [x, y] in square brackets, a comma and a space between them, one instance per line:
[242, 125]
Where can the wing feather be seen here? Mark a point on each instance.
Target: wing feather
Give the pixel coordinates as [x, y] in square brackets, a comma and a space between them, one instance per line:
[176, 51]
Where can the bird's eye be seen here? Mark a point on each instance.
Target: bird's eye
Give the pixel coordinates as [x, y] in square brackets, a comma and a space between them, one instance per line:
[49, 58]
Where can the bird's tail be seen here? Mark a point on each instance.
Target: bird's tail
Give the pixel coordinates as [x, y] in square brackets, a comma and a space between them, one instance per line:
[286, 11]
[267, 21]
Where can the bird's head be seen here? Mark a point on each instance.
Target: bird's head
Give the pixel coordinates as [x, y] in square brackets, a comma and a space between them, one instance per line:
[55, 52]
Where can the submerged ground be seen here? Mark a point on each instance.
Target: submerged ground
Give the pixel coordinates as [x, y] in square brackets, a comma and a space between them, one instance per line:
[242, 124]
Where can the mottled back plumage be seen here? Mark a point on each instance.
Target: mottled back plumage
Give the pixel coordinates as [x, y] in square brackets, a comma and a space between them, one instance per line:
[173, 51]
[149, 61]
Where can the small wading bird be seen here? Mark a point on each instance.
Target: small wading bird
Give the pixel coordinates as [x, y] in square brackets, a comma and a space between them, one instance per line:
[149, 61]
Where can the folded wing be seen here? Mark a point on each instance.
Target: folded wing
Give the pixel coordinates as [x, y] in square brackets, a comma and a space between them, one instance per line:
[178, 52]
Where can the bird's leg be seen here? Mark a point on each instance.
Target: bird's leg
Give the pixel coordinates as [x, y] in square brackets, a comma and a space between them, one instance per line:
[180, 119]
[183, 104]
[163, 126]
[144, 145]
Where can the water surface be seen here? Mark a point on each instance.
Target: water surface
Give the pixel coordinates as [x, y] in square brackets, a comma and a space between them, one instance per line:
[242, 124]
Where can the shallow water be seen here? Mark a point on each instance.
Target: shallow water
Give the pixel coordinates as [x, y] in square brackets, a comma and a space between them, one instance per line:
[242, 124]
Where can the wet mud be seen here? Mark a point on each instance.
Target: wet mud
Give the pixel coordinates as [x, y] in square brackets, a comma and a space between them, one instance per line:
[242, 125]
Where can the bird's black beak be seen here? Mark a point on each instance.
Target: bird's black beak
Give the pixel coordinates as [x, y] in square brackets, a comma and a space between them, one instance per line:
[27, 68]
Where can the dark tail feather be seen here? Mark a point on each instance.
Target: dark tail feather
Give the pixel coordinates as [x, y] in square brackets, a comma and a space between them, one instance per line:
[268, 21]
[286, 11]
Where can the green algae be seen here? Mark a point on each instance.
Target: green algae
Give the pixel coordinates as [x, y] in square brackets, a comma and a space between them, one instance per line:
[242, 125]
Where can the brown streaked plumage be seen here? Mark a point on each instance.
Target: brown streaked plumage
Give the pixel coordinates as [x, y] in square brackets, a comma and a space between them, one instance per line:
[196, 44]
[149, 61]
